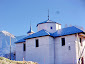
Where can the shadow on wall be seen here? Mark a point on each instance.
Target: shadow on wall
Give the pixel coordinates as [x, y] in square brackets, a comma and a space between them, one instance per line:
[13, 56]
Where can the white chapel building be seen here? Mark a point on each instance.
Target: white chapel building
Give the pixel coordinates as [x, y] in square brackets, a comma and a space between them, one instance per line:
[52, 44]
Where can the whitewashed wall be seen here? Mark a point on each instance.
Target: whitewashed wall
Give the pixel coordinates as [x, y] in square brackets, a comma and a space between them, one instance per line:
[62, 53]
[59, 26]
[51, 50]
[47, 26]
[19, 51]
[42, 54]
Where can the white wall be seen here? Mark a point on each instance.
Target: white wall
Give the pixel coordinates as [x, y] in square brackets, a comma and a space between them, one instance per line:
[51, 50]
[47, 26]
[63, 54]
[44, 54]
[41, 54]
[59, 26]
[19, 51]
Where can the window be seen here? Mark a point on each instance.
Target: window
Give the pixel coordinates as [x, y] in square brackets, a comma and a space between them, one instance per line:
[51, 27]
[24, 47]
[81, 41]
[69, 47]
[37, 43]
[63, 41]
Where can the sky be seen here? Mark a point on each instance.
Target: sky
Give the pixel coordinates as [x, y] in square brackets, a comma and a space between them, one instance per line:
[16, 15]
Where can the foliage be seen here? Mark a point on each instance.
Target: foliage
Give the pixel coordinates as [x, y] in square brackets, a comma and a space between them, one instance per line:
[7, 61]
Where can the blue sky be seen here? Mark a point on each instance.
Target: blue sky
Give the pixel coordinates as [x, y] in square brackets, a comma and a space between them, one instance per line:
[15, 15]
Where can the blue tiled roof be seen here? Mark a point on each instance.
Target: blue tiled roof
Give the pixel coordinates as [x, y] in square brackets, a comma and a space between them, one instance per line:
[47, 21]
[38, 34]
[61, 32]
[21, 40]
[67, 31]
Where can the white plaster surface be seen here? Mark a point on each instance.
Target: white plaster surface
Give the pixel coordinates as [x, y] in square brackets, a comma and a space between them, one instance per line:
[47, 26]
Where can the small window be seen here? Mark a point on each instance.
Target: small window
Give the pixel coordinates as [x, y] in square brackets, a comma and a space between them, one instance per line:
[63, 41]
[81, 41]
[51, 27]
[24, 47]
[69, 47]
[37, 43]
